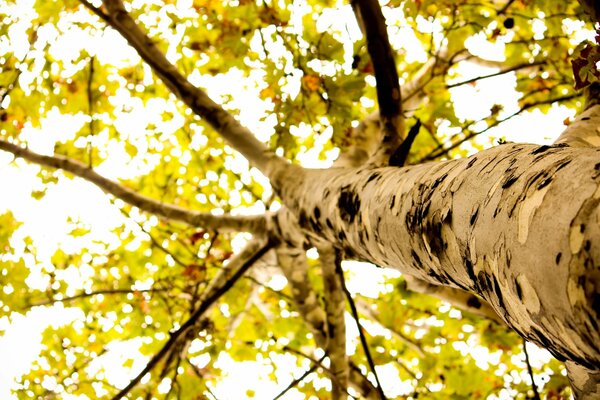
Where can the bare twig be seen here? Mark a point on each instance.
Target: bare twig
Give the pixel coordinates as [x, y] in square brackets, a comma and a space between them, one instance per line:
[91, 111]
[84, 295]
[361, 333]
[536, 394]
[441, 150]
[501, 72]
[296, 381]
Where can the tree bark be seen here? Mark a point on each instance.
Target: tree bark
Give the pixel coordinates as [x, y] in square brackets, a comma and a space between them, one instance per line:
[516, 224]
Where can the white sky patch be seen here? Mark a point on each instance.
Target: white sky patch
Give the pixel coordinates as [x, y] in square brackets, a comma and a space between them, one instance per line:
[367, 279]
[20, 342]
[111, 365]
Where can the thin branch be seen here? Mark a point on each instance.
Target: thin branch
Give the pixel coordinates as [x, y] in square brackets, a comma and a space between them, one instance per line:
[199, 375]
[90, 100]
[84, 295]
[441, 150]
[238, 267]
[239, 137]
[506, 6]
[536, 394]
[296, 381]
[501, 72]
[361, 333]
[367, 311]
[251, 223]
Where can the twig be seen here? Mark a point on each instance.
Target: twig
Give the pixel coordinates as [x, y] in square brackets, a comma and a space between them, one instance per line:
[246, 260]
[501, 72]
[441, 150]
[536, 394]
[90, 111]
[94, 293]
[199, 375]
[503, 9]
[298, 380]
[363, 339]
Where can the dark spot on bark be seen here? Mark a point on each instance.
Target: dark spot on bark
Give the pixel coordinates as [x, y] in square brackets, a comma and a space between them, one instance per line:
[587, 245]
[582, 228]
[469, 267]
[474, 302]
[541, 338]
[596, 303]
[341, 236]
[483, 281]
[329, 223]
[498, 292]
[541, 149]
[544, 183]
[564, 164]
[509, 181]
[373, 176]
[433, 233]
[393, 202]
[558, 257]
[597, 167]
[471, 162]
[474, 217]
[585, 118]
[317, 212]
[437, 277]
[519, 290]
[438, 181]
[415, 256]
[348, 204]
[302, 219]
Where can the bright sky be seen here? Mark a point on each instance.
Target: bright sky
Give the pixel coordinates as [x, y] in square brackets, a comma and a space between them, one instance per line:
[45, 220]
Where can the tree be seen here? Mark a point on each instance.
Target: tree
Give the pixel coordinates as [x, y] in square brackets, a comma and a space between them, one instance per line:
[509, 234]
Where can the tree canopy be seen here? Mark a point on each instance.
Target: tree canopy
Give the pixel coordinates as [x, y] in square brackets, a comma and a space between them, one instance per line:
[140, 212]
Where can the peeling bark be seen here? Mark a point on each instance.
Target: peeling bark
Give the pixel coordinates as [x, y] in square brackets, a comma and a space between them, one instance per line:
[496, 224]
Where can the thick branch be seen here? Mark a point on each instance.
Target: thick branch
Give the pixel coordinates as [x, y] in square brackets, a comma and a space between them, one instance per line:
[239, 137]
[255, 223]
[293, 264]
[371, 18]
[335, 310]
